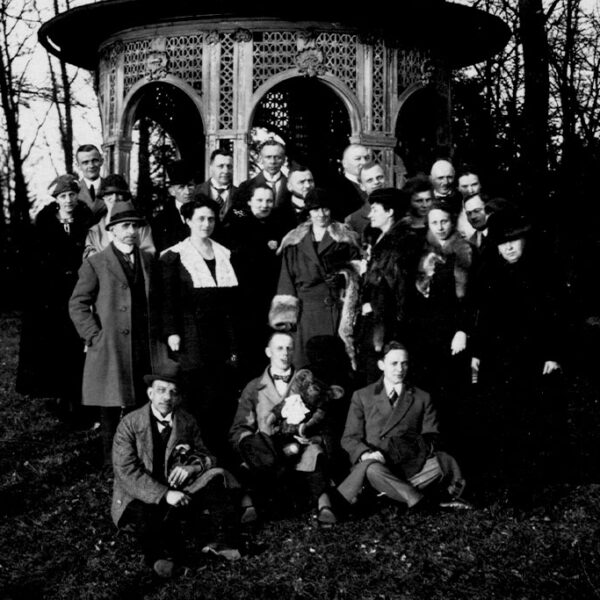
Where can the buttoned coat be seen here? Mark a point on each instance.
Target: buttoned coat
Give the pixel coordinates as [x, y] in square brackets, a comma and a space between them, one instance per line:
[372, 422]
[133, 456]
[101, 310]
[97, 206]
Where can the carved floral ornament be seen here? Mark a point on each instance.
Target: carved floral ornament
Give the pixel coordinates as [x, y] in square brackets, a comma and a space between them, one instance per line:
[310, 59]
[242, 35]
[157, 59]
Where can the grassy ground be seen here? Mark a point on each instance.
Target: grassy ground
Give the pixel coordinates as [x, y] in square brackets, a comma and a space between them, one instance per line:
[57, 540]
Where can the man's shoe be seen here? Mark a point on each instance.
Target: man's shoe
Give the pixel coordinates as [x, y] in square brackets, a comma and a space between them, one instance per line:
[221, 551]
[164, 568]
[455, 504]
[326, 517]
[249, 515]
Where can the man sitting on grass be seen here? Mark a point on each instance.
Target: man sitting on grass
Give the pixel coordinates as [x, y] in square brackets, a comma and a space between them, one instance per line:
[392, 438]
[164, 473]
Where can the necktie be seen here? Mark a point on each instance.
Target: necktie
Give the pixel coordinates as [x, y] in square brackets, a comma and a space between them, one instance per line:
[393, 397]
[166, 429]
[220, 192]
[92, 192]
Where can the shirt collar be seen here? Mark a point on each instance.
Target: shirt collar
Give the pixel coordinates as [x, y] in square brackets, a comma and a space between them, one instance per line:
[92, 183]
[216, 186]
[389, 387]
[352, 178]
[272, 179]
[168, 418]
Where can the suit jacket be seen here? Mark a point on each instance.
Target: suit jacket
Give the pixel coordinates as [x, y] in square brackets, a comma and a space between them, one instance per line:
[359, 220]
[97, 206]
[242, 194]
[347, 197]
[133, 457]
[254, 412]
[101, 309]
[372, 421]
[206, 189]
[168, 228]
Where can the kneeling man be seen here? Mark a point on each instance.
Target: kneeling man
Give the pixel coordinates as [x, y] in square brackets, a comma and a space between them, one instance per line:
[164, 473]
[391, 436]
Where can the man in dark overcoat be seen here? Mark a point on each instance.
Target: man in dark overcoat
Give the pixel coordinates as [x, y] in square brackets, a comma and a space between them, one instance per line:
[110, 308]
[391, 437]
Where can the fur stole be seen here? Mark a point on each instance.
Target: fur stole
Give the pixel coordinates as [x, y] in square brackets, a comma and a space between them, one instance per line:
[339, 233]
[436, 253]
[195, 265]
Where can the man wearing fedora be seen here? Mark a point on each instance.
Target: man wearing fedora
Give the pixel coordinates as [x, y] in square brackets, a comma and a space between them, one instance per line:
[168, 226]
[115, 189]
[110, 308]
[164, 474]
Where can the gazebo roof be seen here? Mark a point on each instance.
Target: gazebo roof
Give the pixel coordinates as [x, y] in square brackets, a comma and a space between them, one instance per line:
[461, 34]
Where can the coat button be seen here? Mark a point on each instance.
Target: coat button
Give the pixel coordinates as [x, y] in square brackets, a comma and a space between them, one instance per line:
[125, 331]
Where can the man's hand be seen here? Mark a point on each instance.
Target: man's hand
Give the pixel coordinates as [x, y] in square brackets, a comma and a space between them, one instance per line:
[178, 476]
[550, 366]
[475, 369]
[174, 342]
[177, 498]
[374, 455]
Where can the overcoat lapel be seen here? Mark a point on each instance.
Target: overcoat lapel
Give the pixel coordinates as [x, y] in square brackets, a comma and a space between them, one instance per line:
[114, 266]
[325, 243]
[267, 392]
[144, 435]
[307, 247]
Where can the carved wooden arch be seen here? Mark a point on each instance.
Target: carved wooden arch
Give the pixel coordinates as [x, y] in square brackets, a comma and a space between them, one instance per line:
[135, 95]
[341, 90]
[410, 91]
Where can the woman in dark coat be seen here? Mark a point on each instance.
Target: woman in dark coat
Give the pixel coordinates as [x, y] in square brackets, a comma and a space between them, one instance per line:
[51, 353]
[253, 235]
[436, 311]
[198, 290]
[313, 254]
[390, 270]
[517, 346]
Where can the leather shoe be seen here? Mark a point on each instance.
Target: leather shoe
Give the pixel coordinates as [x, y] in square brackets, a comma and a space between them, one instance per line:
[221, 551]
[456, 504]
[326, 517]
[249, 515]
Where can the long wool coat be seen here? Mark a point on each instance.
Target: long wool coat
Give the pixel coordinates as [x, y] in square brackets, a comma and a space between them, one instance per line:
[51, 353]
[304, 271]
[101, 309]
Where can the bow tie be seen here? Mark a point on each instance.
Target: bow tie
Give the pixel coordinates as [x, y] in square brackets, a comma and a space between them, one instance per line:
[284, 378]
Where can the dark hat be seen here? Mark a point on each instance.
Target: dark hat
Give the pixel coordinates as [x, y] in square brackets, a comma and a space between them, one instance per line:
[506, 225]
[317, 198]
[390, 198]
[124, 211]
[65, 183]
[181, 172]
[169, 371]
[114, 184]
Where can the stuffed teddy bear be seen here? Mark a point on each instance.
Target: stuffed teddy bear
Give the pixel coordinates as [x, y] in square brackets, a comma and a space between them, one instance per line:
[300, 416]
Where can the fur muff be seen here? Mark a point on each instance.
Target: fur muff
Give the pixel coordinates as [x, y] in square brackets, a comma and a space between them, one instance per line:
[284, 312]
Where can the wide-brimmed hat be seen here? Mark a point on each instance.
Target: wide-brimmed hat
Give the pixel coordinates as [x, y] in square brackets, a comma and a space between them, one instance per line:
[169, 372]
[507, 225]
[114, 184]
[390, 198]
[124, 211]
[181, 172]
[65, 183]
[317, 198]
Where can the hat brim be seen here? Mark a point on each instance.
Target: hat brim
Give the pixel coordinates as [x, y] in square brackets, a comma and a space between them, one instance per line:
[510, 235]
[105, 191]
[152, 377]
[126, 220]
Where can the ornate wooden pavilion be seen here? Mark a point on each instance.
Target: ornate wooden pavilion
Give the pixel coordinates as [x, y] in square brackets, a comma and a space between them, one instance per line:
[208, 74]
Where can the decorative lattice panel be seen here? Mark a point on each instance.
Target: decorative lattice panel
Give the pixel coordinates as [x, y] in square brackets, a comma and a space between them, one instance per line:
[134, 62]
[273, 113]
[340, 55]
[378, 155]
[378, 99]
[185, 58]
[413, 67]
[274, 53]
[113, 62]
[226, 82]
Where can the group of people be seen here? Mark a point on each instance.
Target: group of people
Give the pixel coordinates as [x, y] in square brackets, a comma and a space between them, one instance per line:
[246, 336]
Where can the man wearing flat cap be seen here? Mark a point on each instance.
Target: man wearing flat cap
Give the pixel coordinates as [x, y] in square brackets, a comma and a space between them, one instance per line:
[110, 307]
[164, 474]
[168, 226]
[115, 189]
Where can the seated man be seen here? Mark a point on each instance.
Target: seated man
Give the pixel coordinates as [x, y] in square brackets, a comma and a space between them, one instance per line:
[391, 435]
[163, 474]
[281, 427]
